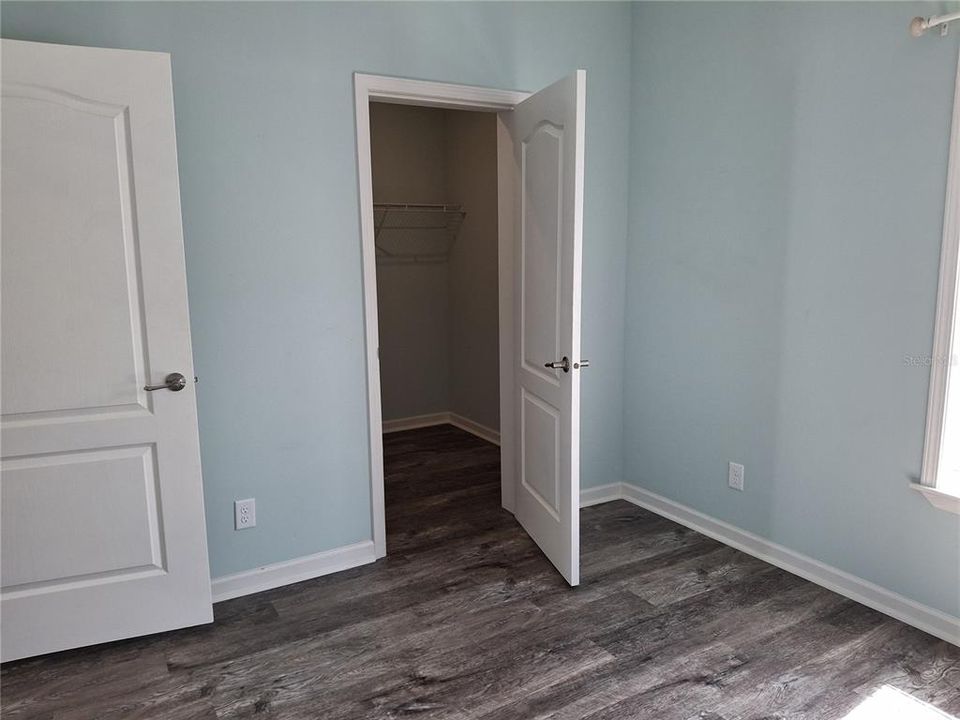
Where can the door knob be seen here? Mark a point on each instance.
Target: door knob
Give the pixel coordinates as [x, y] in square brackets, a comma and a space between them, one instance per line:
[174, 382]
[559, 364]
[565, 364]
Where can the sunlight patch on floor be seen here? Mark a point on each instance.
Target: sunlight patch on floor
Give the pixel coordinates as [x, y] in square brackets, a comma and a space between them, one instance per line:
[889, 703]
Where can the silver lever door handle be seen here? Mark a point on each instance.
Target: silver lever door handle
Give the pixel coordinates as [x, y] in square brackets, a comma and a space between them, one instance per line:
[174, 382]
[559, 364]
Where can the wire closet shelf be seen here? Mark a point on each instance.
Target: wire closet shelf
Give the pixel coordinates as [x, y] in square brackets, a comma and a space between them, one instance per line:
[412, 232]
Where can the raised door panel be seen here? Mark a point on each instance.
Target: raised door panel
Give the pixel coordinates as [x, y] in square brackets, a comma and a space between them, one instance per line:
[56, 528]
[541, 171]
[540, 452]
[72, 335]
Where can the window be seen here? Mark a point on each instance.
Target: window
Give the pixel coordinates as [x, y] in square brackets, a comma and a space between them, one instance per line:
[940, 477]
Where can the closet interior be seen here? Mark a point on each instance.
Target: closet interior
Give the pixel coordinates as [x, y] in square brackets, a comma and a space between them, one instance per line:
[435, 219]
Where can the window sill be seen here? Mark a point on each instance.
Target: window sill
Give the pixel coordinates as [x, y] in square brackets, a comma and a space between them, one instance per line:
[938, 498]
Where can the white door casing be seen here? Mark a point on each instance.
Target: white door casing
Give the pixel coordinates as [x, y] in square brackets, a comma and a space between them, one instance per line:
[102, 529]
[548, 137]
[426, 93]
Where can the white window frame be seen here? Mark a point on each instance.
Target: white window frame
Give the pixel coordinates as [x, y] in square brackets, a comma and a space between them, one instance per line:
[943, 381]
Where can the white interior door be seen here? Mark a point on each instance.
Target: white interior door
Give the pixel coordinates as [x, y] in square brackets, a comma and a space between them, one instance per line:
[102, 526]
[547, 130]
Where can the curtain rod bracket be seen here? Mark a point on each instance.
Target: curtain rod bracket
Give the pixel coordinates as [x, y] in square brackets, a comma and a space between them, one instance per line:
[920, 25]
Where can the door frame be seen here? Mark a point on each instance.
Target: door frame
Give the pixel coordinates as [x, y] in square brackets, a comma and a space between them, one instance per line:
[425, 93]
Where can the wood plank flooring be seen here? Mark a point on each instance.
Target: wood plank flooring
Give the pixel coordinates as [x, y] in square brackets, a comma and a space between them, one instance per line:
[466, 619]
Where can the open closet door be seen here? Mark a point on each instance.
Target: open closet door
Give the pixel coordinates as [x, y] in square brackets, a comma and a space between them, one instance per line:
[548, 138]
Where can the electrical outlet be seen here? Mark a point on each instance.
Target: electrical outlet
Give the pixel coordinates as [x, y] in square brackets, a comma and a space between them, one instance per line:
[735, 476]
[244, 514]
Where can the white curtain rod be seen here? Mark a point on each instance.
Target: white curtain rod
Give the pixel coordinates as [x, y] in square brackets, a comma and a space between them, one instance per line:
[919, 25]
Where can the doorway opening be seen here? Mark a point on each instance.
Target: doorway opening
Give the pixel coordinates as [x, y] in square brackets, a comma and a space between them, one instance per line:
[434, 176]
[539, 208]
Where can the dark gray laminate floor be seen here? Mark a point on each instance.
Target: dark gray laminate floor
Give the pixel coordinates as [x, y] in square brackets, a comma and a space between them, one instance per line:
[466, 619]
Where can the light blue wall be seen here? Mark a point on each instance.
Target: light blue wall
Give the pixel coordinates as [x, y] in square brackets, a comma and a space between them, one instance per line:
[265, 127]
[787, 187]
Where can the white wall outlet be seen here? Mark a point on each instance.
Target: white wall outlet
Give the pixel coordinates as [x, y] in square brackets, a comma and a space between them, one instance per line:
[244, 514]
[735, 476]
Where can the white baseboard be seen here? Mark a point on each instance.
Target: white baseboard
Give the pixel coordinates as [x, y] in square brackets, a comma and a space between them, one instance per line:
[925, 618]
[920, 616]
[442, 418]
[416, 421]
[601, 494]
[475, 428]
[278, 574]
